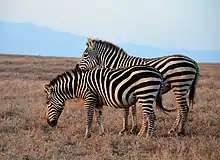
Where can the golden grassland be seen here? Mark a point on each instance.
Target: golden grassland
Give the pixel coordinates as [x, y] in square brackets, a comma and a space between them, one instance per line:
[24, 133]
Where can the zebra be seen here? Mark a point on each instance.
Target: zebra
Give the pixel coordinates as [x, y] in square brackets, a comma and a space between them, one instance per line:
[180, 74]
[119, 88]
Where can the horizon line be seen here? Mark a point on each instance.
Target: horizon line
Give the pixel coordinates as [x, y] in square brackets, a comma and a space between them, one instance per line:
[54, 56]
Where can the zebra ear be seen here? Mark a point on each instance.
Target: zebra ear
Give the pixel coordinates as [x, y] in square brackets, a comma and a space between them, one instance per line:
[89, 43]
[47, 88]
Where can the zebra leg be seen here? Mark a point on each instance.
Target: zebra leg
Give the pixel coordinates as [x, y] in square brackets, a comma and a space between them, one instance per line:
[100, 120]
[125, 121]
[147, 130]
[184, 109]
[143, 130]
[151, 123]
[148, 116]
[182, 115]
[134, 119]
[90, 112]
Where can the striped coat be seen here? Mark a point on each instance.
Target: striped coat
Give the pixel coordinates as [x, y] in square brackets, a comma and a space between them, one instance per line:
[119, 88]
[180, 73]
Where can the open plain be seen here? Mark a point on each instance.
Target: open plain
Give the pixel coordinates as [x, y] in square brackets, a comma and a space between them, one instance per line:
[24, 133]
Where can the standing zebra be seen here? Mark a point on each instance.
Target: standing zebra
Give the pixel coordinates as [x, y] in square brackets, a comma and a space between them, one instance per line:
[119, 88]
[180, 73]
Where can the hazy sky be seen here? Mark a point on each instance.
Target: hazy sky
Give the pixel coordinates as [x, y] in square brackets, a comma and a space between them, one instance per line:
[184, 24]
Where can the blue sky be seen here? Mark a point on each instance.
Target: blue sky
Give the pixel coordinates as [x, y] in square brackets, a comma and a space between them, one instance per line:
[189, 25]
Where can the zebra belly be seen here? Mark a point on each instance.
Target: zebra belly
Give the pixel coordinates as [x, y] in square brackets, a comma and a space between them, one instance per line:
[112, 102]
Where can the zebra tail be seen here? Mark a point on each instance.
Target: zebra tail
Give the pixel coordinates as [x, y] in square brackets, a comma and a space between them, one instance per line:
[192, 90]
[159, 103]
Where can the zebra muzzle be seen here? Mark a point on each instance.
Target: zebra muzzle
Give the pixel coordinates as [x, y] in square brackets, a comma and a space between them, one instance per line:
[52, 123]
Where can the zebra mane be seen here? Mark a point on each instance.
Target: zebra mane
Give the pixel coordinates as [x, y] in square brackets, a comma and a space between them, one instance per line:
[55, 80]
[107, 43]
[58, 77]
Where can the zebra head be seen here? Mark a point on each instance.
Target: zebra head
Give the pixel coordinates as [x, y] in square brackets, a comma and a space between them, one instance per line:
[90, 55]
[103, 53]
[54, 105]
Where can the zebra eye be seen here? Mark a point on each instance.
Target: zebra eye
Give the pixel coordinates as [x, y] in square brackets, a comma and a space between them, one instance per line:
[85, 55]
[47, 102]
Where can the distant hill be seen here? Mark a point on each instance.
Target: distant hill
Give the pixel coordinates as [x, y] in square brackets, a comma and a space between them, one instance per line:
[28, 38]
[31, 39]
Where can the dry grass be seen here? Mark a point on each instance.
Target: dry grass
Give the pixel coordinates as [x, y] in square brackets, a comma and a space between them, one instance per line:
[24, 134]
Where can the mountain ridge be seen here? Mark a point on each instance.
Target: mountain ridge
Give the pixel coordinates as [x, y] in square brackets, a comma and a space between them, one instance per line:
[28, 38]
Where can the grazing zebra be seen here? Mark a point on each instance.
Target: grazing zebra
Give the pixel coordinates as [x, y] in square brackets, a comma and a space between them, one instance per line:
[119, 88]
[180, 73]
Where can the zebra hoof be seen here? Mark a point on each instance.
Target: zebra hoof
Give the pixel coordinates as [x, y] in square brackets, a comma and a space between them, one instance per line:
[122, 132]
[134, 130]
[148, 137]
[182, 133]
[87, 136]
[141, 134]
[171, 131]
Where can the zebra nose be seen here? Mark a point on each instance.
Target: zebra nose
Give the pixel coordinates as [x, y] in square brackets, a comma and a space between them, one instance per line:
[52, 123]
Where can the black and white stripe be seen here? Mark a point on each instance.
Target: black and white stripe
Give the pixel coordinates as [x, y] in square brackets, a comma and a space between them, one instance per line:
[119, 88]
[180, 73]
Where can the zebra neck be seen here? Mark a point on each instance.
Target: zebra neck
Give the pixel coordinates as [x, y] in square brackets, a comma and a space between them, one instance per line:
[79, 85]
[62, 92]
[114, 57]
